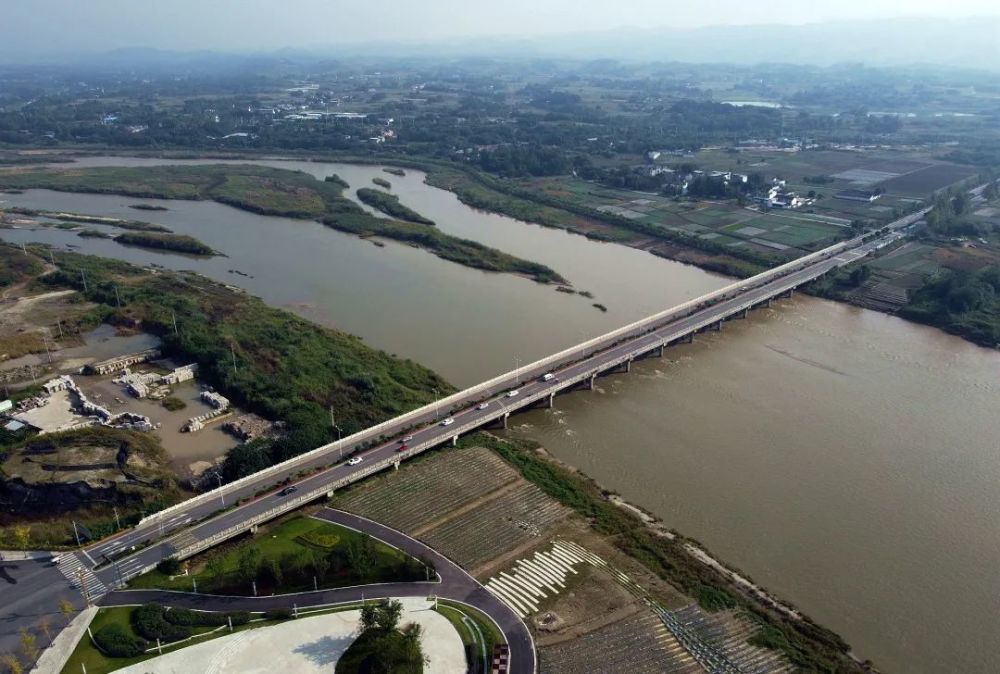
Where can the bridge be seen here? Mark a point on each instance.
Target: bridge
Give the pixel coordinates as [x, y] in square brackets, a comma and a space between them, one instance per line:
[204, 520]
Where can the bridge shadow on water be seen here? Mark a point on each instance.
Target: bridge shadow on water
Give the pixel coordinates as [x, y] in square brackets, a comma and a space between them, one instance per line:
[325, 651]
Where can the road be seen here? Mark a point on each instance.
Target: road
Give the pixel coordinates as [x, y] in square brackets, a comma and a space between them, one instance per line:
[455, 584]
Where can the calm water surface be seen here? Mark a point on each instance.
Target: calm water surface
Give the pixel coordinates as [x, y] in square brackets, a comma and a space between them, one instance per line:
[847, 460]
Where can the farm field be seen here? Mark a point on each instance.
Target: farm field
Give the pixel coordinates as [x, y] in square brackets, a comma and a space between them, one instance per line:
[723, 223]
[469, 504]
[639, 644]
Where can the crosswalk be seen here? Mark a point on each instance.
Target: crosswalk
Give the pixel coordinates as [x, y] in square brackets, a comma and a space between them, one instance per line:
[78, 572]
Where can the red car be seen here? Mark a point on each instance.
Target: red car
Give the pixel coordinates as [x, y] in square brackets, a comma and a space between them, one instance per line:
[402, 447]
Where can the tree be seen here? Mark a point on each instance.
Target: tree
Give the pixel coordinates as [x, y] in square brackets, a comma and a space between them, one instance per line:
[22, 536]
[274, 570]
[321, 565]
[66, 607]
[29, 647]
[45, 625]
[216, 568]
[249, 563]
[361, 555]
[860, 275]
[12, 664]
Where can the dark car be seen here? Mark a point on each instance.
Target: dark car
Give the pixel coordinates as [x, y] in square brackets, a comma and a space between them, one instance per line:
[289, 490]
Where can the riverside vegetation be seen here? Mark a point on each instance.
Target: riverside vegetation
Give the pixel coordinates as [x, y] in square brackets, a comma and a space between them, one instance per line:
[807, 645]
[271, 191]
[389, 204]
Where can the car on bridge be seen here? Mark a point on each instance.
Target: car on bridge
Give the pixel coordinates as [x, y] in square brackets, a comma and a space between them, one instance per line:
[288, 490]
[448, 422]
[355, 460]
[406, 439]
[548, 376]
[402, 447]
[482, 406]
[512, 394]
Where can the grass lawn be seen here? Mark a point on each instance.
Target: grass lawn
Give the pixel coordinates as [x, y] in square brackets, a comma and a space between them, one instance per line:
[298, 539]
[454, 612]
[87, 655]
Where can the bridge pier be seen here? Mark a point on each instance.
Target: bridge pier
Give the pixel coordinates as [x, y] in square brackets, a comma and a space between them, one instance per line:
[395, 464]
[659, 351]
[454, 438]
[716, 327]
[627, 365]
[686, 339]
[744, 313]
[503, 419]
[767, 303]
[552, 400]
[787, 294]
[590, 382]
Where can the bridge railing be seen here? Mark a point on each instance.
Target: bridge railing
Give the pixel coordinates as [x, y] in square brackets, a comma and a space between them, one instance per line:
[505, 379]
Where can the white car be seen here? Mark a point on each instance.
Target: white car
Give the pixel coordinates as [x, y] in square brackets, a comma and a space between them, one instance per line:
[512, 394]
[448, 422]
[353, 461]
[407, 439]
[548, 376]
[482, 406]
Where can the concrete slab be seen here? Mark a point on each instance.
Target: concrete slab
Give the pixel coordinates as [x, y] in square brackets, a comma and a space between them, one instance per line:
[307, 645]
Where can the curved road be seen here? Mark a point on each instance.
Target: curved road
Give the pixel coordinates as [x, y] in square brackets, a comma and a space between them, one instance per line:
[455, 584]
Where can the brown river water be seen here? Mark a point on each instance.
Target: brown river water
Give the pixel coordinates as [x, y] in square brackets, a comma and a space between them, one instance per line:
[846, 460]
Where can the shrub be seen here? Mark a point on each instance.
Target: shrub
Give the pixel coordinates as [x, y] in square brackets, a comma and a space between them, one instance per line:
[171, 566]
[173, 403]
[279, 614]
[149, 621]
[188, 618]
[115, 641]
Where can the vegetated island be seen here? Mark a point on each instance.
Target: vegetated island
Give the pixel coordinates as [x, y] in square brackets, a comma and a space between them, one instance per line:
[390, 205]
[148, 207]
[394, 171]
[270, 191]
[351, 218]
[382, 182]
[120, 223]
[336, 180]
[176, 243]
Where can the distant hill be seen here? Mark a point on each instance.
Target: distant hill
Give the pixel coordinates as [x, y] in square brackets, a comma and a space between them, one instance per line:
[911, 41]
[966, 42]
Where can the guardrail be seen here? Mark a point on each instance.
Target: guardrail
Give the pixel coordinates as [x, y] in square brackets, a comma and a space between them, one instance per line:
[539, 365]
[525, 401]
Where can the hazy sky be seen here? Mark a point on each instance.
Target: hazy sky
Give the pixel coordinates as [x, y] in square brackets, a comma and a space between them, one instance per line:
[39, 26]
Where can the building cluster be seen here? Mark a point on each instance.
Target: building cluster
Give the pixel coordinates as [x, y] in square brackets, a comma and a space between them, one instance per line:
[149, 384]
[220, 405]
[98, 413]
[779, 196]
[113, 365]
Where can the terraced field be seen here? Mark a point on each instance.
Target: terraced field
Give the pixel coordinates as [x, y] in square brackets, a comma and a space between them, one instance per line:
[438, 486]
[496, 526]
[638, 645]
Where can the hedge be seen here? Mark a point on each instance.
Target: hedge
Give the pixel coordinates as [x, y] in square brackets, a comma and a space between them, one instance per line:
[115, 641]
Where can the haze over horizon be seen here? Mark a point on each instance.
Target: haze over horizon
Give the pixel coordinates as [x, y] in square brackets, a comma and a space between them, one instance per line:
[255, 26]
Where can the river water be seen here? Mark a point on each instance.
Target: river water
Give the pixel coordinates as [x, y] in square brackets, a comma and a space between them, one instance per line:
[844, 459]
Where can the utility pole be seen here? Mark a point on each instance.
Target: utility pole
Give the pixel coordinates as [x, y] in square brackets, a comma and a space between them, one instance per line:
[222, 494]
[83, 275]
[76, 533]
[333, 423]
[117, 298]
[232, 350]
[437, 404]
[24, 250]
[83, 587]
[173, 317]
[59, 325]
[117, 521]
